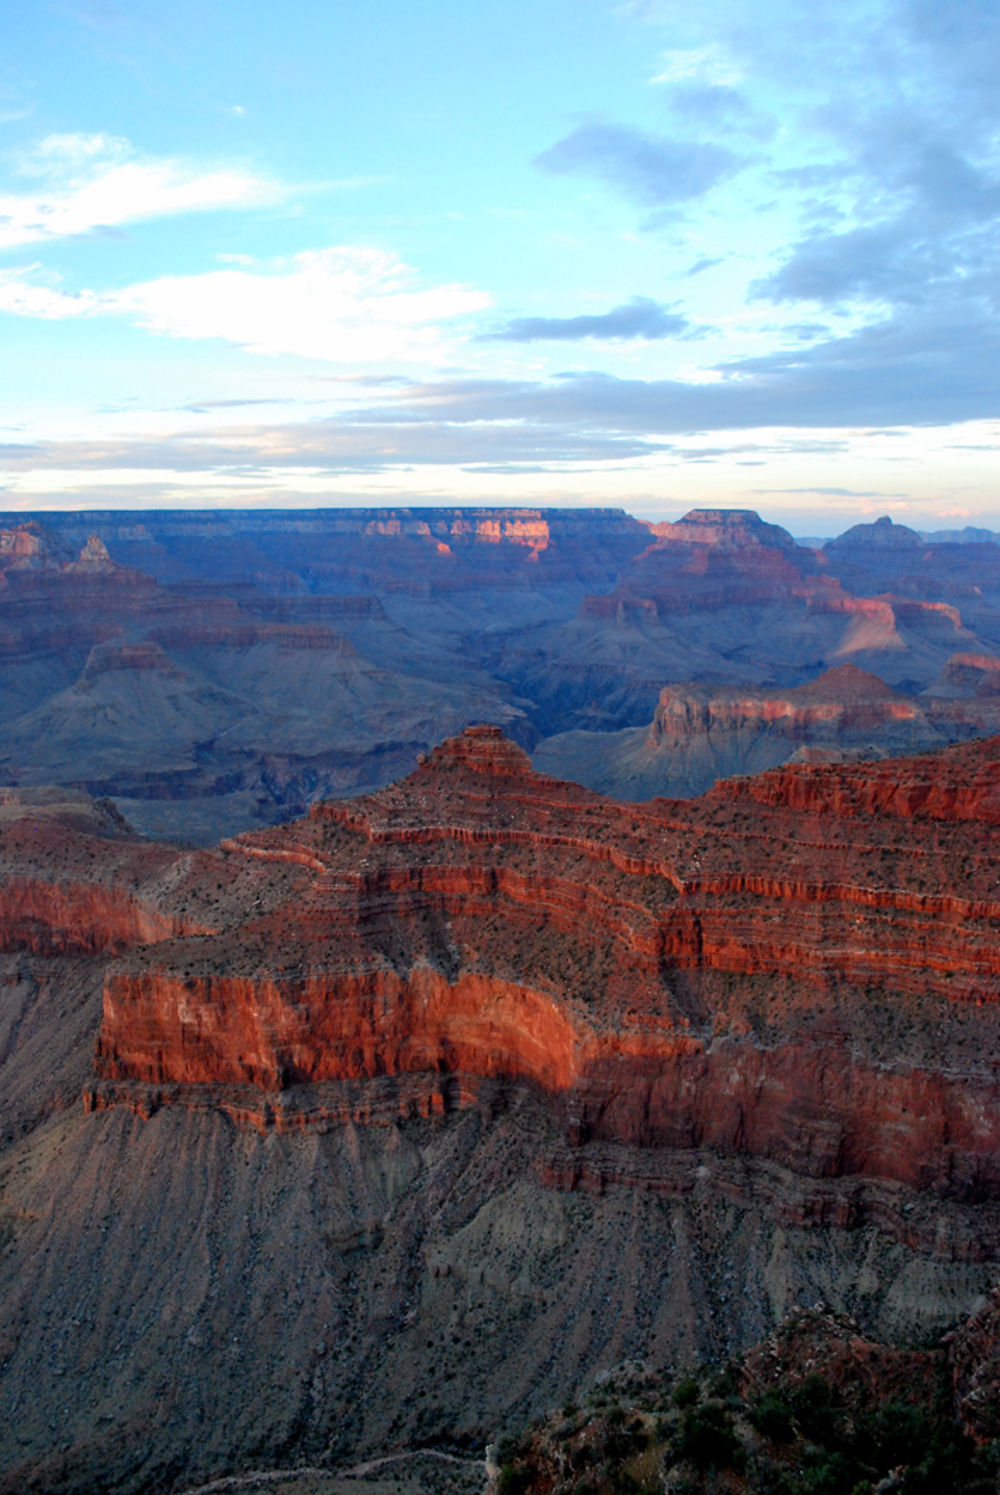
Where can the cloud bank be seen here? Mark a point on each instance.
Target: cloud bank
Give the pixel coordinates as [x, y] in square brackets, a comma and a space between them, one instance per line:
[346, 304]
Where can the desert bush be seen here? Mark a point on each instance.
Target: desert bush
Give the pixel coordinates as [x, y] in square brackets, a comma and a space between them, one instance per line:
[686, 1392]
[771, 1415]
[707, 1437]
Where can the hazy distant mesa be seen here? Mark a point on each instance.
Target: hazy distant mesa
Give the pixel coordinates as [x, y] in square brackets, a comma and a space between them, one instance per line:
[217, 670]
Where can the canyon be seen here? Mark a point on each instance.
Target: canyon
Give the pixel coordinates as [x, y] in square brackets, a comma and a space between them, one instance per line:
[213, 671]
[390, 1126]
[703, 733]
[483, 920]
[369, 1080]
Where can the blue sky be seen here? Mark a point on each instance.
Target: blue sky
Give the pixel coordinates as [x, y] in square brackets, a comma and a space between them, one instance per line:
[573, 251]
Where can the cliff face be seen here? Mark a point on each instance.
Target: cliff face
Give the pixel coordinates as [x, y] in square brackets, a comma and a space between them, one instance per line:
[418, 1113]
[801, 967]
[703, 733]
[373, 548]
[217, 671]
[844, 704]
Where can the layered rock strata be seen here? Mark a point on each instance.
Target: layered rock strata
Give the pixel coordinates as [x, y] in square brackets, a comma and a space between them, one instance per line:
[703, 733]
[801, 967]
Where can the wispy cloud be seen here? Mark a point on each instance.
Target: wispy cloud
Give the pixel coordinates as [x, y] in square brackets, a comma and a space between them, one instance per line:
[80, 183]
[711, 65]
[376, 443]
[653, 170]
[343, 304]
[936, 237]
[833, 492]
[639, 318]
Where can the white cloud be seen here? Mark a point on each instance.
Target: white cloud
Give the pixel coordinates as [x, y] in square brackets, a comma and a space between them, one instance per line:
[57, 154]
[345, 304]
[708, 65]
[86, 182]
[24, 297]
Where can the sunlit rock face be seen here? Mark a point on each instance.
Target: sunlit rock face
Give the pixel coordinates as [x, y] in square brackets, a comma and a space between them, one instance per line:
[800, 967]
[479, 1054]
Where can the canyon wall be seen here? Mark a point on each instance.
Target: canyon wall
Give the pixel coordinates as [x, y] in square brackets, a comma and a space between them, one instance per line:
[801, 967]
[412, 1117]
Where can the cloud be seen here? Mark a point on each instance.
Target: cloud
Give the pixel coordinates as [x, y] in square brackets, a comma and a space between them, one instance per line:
[709, 65]
[81, 183]
[916, 368]
[719, 108]
[639, 318]
[375, 444]
[835, 492]
[653, 170]
[908, 371]
[706, 262]
[23, 297]
[939, 238]
[886, 261]
[343, 304]
[963, 43]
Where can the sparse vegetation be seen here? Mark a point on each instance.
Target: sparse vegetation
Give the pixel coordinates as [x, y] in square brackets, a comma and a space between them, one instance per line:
[809, 1432]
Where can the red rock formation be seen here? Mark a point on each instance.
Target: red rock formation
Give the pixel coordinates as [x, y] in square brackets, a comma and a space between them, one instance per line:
[76, 881]
[844, 700]
[715, 558]
[244, 634]
[801, 968]
[960, 785]
[977, 673]
[49, 919]
[20, 542]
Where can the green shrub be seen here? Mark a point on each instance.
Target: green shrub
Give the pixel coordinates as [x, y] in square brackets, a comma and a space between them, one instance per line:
[708, 1438]
[816, 1409]
[771, 1415]
[686, 1392]
[512, 1481]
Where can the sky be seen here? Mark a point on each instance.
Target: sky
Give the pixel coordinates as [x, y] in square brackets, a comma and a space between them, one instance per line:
[646, 253]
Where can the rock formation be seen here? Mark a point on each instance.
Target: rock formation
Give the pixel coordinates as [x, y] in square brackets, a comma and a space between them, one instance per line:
[722, 974]
[414, 1114]
[816, 1405]
[703, 733]
[314, 653]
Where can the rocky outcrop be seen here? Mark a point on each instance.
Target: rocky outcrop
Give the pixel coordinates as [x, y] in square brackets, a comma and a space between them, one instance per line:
[76, 881]
[478, 1060]
[20, 543]
[976, 674]
[817, 1404]
[960, 786]
[308, 653]
[45, 919]
[843, 704]
[752, 973]
[882, 535]
[703, 733]
[715, 559]
[405, 547]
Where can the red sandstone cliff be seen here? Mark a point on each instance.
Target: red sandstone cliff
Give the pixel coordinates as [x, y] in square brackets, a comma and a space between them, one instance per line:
[802, 967]
[843, 701]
